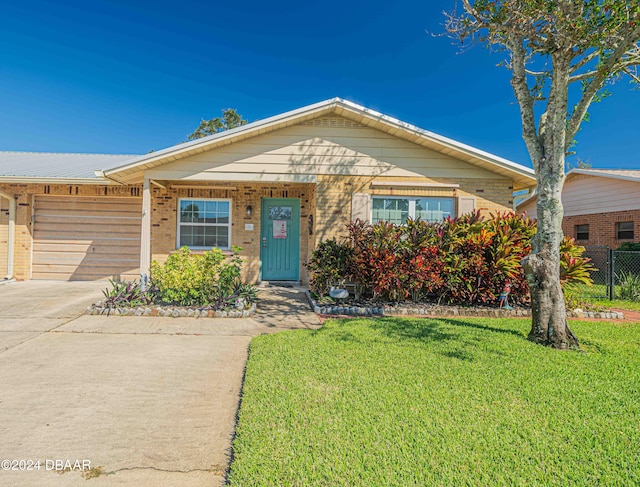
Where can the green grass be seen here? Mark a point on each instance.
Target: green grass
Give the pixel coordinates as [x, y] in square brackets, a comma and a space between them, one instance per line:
[615, 304]
[400, 402]
[596, 296]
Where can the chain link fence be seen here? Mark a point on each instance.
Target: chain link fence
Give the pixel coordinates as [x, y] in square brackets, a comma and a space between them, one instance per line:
[601, 260]
[617, 275]
[626, 275]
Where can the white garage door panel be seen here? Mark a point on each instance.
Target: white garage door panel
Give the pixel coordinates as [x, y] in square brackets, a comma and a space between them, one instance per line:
[86, 238]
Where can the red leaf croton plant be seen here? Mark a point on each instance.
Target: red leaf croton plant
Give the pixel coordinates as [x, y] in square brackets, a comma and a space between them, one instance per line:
[466, 260]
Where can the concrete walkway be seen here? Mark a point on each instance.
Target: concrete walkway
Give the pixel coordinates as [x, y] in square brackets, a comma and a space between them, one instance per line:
[147, 401]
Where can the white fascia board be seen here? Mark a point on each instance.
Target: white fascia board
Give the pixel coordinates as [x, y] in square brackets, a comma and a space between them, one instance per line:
[447, 142]
[51, 180]
[527, 199]
[595, 172]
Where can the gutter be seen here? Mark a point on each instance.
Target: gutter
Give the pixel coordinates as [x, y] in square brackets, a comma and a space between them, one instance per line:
[11, 234]
[49, 180]
[100, 173]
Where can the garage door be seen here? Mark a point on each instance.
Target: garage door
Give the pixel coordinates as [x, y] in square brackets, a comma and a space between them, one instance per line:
[86, 238]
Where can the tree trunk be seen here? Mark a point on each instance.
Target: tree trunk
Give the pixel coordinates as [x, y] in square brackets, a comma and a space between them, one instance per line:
[549, 316]
[542, 268]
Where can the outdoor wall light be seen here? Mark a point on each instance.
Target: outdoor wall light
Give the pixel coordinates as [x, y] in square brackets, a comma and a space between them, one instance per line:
[249, 211]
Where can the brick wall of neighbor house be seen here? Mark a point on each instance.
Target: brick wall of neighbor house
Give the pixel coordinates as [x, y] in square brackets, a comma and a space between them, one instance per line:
[333, 197]
[24, 212]
[164, 204]
[602, 227]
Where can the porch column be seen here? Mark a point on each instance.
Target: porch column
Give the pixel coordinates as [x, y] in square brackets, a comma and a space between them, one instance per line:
[11, 233]
[145, 233]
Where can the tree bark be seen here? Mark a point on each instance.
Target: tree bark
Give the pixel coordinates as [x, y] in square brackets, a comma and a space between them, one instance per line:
[549, 324]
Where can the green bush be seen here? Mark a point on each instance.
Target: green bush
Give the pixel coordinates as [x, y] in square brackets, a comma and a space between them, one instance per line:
[630, 247]
[329, 265]
[575, 269]
[207, 279]
[628, 286]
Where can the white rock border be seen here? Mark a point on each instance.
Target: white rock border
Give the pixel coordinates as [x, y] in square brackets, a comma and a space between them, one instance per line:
[436, 310]
[171, 312]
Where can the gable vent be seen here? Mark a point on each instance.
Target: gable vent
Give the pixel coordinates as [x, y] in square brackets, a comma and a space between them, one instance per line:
[332, 122]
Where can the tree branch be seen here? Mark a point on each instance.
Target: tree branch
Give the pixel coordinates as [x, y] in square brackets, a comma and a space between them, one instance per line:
[610, 66]
[524, 97]
[634, 76]
[585, 60]
[582, 76]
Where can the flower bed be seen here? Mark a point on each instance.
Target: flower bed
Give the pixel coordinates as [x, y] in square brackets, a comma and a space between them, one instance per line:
[171, 311]
[428, 309]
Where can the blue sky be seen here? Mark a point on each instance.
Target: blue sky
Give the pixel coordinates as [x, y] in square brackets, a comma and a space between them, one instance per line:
[130, 77]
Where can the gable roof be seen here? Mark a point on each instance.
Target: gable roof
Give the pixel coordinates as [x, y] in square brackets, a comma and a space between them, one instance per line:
[50, 166]
[622, 174]
[129, 169]
[132, 170]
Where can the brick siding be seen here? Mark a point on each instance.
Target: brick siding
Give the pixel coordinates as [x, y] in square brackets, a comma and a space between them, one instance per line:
[602, 227]
[24, 211]
[328, 204]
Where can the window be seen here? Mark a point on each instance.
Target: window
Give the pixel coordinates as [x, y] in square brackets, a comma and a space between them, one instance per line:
[398, 209]
[203, 224]
[582, 232]
[624, 230]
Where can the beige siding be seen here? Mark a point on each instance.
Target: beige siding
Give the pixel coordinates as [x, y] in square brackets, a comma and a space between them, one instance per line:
[341, 149]
[587, 195]
[4, 230]
[529, 208]
[86, 238]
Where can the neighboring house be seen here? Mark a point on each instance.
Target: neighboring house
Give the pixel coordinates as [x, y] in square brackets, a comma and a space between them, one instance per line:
[274, 187]
[601, 206]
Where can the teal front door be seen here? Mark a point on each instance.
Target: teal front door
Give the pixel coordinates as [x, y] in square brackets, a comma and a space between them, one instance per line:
[280, 239]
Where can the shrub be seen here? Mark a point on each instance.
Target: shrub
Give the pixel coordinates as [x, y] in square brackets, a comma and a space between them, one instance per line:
[630, 247]
[124, 294]
[330, 264]
[574, 267]
[628, 286]
[465, 260]
[206, 279]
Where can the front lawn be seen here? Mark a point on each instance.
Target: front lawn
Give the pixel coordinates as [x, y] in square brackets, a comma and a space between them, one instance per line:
[368, 402]
[615, 304]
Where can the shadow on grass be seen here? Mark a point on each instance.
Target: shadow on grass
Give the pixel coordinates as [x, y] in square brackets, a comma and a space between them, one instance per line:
[462, 322]
[432, 329]
[426, 330]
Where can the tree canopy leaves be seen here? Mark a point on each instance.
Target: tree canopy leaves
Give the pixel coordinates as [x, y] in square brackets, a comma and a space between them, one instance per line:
[230, 119]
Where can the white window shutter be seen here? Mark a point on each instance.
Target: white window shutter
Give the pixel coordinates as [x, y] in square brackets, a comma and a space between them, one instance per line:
[466, 204]
[360, 207]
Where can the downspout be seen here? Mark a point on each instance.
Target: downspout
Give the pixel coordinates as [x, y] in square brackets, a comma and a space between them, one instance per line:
[11, 234]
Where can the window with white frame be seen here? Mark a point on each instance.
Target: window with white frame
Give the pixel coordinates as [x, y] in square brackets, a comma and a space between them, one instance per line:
[204, 223]
[396, 209]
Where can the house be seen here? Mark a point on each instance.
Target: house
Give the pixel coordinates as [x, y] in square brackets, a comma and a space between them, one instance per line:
[274, 187]
[601, 206]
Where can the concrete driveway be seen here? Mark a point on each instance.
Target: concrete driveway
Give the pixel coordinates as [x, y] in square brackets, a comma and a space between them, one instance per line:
[141, 401]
